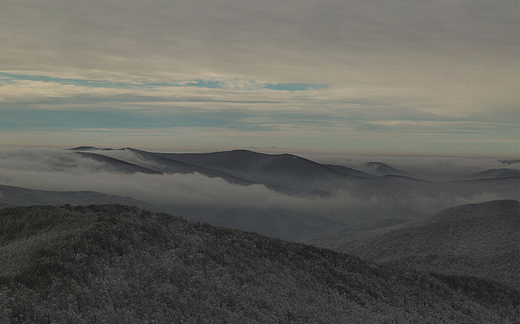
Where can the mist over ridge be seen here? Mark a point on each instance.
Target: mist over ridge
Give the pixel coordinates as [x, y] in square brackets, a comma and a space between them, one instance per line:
[394, 219]
[250, 190]
[232, 161]
[49, 169]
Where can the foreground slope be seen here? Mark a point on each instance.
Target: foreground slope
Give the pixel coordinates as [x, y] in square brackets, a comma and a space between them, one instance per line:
[117, 264]
[473, 239]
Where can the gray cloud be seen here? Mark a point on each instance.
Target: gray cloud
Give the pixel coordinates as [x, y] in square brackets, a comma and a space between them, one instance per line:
[226, 36]
[401, 70]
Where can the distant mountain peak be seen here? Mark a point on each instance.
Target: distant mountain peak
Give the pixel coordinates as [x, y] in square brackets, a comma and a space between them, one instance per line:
[380, 168]
[89, 148]
[510, 161]
[84, 148]
[495, 173]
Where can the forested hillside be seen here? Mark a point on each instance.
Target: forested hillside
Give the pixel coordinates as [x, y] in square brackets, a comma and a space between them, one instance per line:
[118, 264]
[473, 239]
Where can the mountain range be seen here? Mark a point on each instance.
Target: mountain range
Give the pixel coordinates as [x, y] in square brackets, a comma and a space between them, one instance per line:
[407, 250]
[395, 195]
[288, 197]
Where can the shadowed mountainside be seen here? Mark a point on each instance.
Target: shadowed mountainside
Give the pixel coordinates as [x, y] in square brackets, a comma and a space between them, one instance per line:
[349, 171]
[116, 165]
[283, 172]
[290, 174]
[475, 239]
[15, 196]
[168, 165]
[276, 222]
[116, 264]
[494, 173]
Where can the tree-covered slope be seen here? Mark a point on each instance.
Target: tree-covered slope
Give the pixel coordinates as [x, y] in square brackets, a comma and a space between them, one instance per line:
[11, 196]
[473, 239]
[118, 264]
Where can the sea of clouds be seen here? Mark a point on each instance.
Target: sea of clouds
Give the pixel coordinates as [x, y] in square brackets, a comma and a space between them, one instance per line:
[64, 170]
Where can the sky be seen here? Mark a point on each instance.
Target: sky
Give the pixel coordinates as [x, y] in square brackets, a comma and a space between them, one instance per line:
[431, 77]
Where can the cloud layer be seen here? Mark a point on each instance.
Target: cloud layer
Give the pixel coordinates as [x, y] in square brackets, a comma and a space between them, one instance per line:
[61, 170]
[405, 76]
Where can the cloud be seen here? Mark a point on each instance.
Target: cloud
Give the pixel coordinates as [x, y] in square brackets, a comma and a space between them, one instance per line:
[45, 161]
[62, 170]
[319, 42]
[415, 76]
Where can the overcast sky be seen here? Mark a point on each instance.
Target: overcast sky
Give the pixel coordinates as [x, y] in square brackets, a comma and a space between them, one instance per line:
[434, 77]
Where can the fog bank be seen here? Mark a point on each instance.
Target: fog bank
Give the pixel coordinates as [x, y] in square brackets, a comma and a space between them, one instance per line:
[63, 170]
